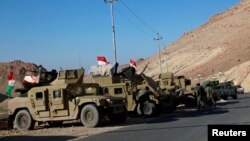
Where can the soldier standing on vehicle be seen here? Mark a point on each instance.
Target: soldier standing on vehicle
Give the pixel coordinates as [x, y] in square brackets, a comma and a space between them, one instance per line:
[201, 96]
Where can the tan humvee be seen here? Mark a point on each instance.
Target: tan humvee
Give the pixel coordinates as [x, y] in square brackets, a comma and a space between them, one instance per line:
[130, 87]
[66, 98]
[180, 85]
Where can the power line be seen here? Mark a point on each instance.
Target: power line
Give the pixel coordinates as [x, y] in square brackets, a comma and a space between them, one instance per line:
[131, 22]
[138, 18]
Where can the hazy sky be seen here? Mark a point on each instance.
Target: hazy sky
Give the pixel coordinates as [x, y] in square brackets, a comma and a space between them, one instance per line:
[71, 33]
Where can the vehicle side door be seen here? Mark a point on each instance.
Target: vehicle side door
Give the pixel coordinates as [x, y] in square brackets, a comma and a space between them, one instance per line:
[39, 102]
[58, 103]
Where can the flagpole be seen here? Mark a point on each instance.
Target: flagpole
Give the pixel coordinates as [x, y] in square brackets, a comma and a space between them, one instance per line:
[113, 26]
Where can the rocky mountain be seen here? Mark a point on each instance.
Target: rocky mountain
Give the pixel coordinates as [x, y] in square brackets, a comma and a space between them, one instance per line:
[17, 66]
[222, 45]
[218, 49]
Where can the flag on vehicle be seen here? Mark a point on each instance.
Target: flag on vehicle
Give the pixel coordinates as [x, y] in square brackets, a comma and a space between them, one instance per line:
[132, 63]
[101, 60]
[30, 79]
[11, 83]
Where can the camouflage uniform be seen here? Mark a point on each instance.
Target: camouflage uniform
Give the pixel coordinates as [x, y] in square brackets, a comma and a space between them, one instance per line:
[210, 97]
[201, 96]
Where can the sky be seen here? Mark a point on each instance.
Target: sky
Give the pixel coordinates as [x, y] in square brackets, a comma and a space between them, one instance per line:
[72, 33]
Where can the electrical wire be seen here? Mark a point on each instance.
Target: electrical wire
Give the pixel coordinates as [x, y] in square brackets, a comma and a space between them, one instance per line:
[138, 18]
[131, 22]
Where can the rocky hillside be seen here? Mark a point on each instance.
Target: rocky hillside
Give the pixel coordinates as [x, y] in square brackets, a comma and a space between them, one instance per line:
[17, 66]
[220, 45]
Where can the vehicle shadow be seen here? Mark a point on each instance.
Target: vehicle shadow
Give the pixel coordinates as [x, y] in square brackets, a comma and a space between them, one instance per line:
[206, 111]
[244, 96]
[170, 127]
[239, 107]
[227, 102]
[169, 117]
[36, 138]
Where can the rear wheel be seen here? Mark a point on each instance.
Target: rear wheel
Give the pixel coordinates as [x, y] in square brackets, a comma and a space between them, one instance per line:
[23, 120]
[90, 116]
[148, 108]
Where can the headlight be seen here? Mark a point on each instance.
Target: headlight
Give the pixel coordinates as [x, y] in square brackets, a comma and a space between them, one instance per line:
[109, 101]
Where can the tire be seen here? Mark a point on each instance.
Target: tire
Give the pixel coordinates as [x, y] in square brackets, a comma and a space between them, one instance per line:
[119, 118]
[23, 120]
[90, 116]
[234, 96]
[55, 123]
[189, 100]
[148, 108]
[169, 109]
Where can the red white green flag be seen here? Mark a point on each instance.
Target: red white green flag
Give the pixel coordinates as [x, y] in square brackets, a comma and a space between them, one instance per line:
[11, 83]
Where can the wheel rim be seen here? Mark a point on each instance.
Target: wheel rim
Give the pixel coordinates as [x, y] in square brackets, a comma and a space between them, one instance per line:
[146, 109]
[89, 116]
[23, 121]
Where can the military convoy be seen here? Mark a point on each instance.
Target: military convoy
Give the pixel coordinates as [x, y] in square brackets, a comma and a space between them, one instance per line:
[64, 99]
[130, 86]
[222, 90]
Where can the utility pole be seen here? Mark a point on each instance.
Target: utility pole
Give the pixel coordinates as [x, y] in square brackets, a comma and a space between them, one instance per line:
[113, 26]
[167, 57]
[158, 43]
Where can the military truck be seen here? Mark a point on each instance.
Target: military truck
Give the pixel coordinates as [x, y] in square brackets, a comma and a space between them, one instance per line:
[179, 85]
[222, 90]
[66, 98]
[128, 85]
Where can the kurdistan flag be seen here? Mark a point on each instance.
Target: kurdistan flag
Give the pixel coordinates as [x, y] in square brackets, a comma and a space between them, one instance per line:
[11, 83]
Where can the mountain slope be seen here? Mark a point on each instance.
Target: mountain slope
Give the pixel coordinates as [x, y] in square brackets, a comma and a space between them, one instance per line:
[17, 66]
[217, 46]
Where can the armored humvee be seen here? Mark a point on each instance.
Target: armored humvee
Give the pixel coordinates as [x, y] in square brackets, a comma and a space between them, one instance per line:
[222, 90]
[128, 85]
[179, 85]
[64, 99]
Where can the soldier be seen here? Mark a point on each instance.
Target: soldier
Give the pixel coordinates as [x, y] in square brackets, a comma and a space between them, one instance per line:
[210, 97]
[201, 96]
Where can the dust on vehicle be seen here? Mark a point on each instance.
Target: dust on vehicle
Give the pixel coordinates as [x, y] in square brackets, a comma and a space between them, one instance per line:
[64, 99]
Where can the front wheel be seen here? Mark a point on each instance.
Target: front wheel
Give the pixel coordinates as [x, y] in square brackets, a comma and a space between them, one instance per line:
[23, 120]
[90, 116]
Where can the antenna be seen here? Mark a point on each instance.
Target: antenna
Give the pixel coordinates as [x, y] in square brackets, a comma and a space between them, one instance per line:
[113, 26]
[158, 43]
[80, 62]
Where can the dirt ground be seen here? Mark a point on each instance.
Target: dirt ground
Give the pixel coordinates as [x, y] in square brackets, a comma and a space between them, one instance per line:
[69, 131]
